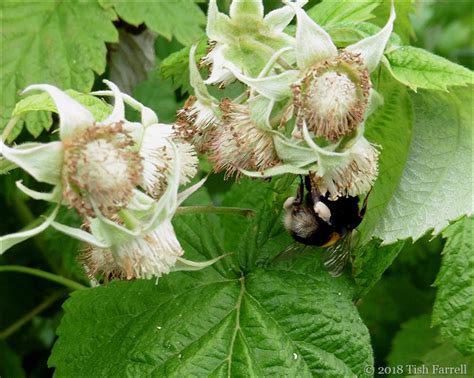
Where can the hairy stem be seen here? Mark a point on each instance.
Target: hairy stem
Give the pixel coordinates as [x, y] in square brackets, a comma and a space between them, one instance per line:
[214, 210]
[73, 285]
[30, 315]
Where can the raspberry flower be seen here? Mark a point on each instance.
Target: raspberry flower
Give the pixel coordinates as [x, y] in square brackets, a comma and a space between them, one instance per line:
[331, 89]
[304, 110]
[122, 177]
[244, 41]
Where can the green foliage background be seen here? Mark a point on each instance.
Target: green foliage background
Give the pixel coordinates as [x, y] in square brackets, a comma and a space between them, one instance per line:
[409, 299]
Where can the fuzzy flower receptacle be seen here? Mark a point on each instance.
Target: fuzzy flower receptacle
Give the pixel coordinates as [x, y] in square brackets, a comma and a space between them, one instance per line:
[123, 179]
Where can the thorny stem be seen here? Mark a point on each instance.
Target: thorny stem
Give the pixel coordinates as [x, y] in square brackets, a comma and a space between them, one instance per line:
[46, 275]
[30, 315]
[214, 210]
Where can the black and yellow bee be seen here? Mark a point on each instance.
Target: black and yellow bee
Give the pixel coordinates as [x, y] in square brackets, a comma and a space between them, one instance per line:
[314, 219]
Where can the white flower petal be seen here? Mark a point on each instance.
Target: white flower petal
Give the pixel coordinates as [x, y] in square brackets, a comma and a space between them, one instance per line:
[246, 9]
[187, 192]
[79, 234]
[149, 255]
[273, 60]
[118, 112]
[140, 201]
[293, 154]
[200, 90]
[275, 87]
[42, 161]
[313, 43]
[187, 265]
[279, 19]
[189, 162]
[375, 100]
[8, 241]
[217, 22]
[148, 116]
[372, 48]
[73, 117]
[277, 170]
[116, 231]
[327, 160]
[166, 206]
[155, 151]
[260, 110]
[53, 196]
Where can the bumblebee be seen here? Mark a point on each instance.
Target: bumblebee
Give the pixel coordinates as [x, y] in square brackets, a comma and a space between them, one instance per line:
[313, 219]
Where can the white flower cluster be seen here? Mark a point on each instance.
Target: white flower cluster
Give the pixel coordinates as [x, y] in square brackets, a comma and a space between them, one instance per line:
[304, 102]
[121, 176]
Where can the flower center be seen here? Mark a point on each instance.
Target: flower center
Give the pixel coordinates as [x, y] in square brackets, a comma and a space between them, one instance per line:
[333, 95]
[101, 171]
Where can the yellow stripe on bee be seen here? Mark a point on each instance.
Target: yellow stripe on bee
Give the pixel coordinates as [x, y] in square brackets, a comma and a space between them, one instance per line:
[334, 239]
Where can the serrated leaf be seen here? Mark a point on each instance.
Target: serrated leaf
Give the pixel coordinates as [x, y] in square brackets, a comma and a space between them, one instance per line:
[443, 357]
[223, 326]
[37, 122]
[46, 42]
[182, 19]
[453, 310]
[222, 321]
[418, 68]
[390, 127]
[43, 102]
[434, 188]
[330, 12]
[346, 33]
[371, 261]
[415, 338]
[176, 66]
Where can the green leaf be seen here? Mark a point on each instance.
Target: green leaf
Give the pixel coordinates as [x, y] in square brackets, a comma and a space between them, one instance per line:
[453, 310]
[11, 362]
[439, 361]
[330, 12]
[418, 68]
[435, 187]
[403, 23]
[346, 33]
[391, 128]
[181, 19]
[157, 94]
[371, 261]
[258, 324]
[43, 102]
[47, 42]
[37, 122]
[176, 66]
[226, 320]
[6, 166]
[415, 338]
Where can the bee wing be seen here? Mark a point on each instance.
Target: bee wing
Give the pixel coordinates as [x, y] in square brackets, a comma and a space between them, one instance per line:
[289, 252]
[337, 256]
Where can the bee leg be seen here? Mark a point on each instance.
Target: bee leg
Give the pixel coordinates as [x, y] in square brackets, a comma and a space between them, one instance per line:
[364, 205]
[299, 193]
[312, 190]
